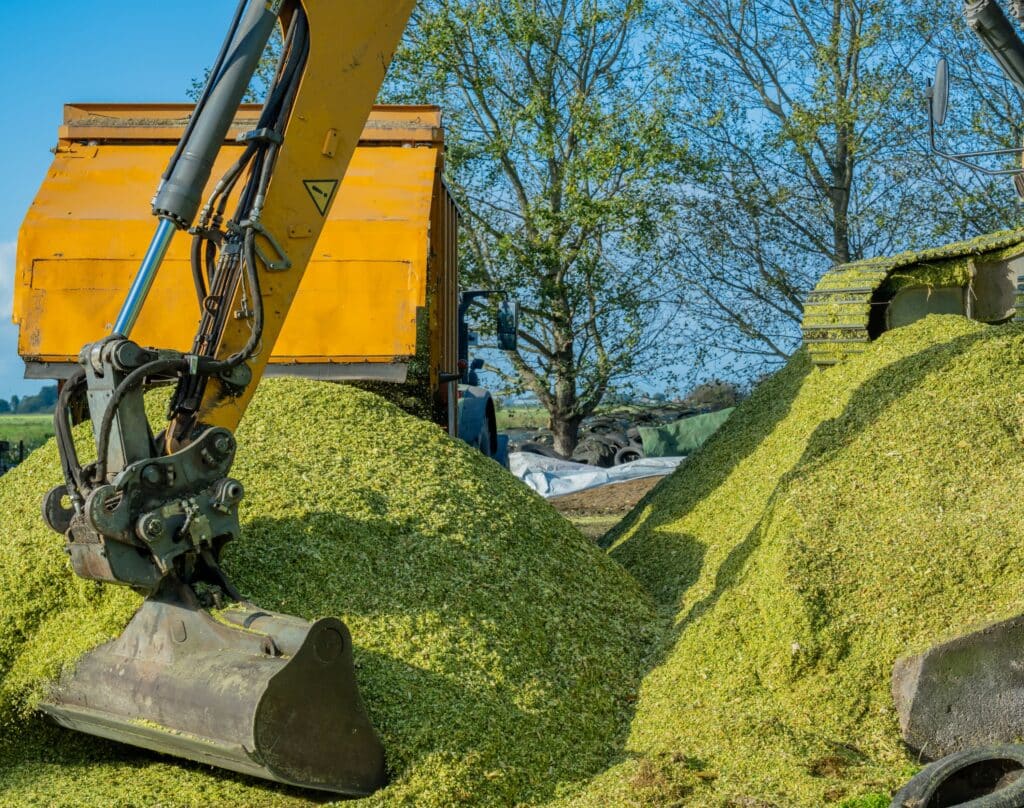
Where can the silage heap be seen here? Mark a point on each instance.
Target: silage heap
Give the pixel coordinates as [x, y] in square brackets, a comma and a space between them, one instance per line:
[840, 519]
[498, 651]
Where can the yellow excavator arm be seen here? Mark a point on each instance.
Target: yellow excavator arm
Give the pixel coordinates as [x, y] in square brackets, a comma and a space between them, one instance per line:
[350, 47]
[199, 671]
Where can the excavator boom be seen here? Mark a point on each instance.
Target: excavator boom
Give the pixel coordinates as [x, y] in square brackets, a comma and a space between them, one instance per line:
[200, 672]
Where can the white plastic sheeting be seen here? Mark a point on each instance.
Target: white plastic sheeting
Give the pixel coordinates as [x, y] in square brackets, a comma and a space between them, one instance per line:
[557, 478]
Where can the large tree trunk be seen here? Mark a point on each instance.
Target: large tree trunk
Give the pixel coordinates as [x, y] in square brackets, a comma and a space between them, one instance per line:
[567, 434]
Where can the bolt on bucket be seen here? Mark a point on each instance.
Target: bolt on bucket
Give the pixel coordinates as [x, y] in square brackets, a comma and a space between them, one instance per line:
[263, 694]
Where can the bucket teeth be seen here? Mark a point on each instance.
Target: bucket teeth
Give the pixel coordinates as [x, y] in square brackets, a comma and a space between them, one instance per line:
[267, 695]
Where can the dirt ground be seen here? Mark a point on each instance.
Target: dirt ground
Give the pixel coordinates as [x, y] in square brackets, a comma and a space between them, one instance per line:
[598, 510]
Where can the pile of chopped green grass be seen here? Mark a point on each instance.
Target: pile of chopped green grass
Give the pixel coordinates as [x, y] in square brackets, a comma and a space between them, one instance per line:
[499, 653]
[839, 520]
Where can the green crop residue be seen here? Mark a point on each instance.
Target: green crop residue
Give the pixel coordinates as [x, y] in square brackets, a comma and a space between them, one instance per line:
[499, 653]
[840, 519]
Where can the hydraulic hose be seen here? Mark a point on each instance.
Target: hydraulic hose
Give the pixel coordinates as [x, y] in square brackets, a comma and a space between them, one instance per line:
[73, 388]
[239, 260]
[130, 382]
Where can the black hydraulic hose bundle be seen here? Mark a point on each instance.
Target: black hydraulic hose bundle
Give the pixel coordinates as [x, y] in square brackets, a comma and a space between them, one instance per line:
[198, 268]
[259, 157]
[73, 390]
[238, 259]
[218, 261]
[130, 382]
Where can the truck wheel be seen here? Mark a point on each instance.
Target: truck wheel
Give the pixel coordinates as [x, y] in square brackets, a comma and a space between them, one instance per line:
[483, 440]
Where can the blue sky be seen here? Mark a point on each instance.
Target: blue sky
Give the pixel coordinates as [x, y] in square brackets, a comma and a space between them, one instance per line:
[63, 51]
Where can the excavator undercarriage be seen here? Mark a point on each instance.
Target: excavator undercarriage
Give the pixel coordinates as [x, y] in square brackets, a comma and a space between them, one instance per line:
[856, 303]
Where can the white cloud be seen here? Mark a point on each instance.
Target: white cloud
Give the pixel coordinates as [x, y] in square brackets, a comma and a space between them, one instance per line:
[12, 369]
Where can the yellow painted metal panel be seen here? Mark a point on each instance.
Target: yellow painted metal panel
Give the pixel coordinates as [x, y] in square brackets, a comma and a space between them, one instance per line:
[165, 122]
[69, 298]
[381, 293]
[82, 240]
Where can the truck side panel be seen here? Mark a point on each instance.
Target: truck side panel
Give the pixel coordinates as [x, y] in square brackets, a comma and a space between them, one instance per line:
[389, 245]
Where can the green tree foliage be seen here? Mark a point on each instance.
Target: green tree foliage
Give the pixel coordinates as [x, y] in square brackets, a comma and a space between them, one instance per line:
[812, 114]
[562, 160]
[41, 403]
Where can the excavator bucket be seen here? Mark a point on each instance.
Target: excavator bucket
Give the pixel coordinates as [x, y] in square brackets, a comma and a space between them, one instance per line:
[854, 304]
[235, 687]
[262, 694]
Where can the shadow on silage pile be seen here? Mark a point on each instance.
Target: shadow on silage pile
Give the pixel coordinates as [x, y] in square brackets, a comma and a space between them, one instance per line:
[498, 651]
[839, 520]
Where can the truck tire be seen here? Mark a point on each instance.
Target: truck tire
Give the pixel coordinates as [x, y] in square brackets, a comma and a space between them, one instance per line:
[484, 439]
[978, 778]
[477, 424]
[595, 451]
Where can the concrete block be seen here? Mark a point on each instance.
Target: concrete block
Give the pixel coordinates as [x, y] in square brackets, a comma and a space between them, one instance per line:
[963, 693]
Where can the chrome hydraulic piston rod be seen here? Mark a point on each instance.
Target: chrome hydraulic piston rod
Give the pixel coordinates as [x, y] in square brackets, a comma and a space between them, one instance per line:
[143, 282]
[181, 191]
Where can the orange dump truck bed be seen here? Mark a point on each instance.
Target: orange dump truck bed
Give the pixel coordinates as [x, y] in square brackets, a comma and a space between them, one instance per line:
[380, 291]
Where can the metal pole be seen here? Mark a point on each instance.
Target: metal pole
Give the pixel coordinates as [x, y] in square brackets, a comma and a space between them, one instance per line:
[143, 282]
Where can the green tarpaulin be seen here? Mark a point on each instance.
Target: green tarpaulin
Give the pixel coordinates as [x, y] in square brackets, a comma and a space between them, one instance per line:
[683, 437]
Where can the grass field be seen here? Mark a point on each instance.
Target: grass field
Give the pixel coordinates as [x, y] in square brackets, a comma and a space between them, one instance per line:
[522, 418]
[538, 418]
[35, 430]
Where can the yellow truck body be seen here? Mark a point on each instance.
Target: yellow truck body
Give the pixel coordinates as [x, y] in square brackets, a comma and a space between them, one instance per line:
[379, 298]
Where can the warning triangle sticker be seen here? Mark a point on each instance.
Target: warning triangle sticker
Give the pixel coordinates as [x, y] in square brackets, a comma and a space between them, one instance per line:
[322, 193]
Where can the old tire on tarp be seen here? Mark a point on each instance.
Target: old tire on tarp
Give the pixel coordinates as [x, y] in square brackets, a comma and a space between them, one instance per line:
[627, 454]
[987, 777]
[532, 447]
[594, 450]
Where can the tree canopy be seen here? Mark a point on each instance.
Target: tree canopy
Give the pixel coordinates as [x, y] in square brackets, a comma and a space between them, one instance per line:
[562, 157]
[812, 117]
